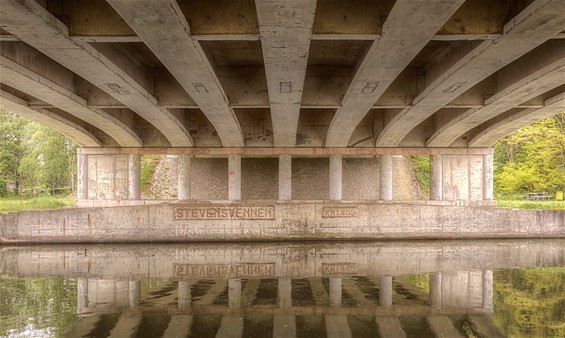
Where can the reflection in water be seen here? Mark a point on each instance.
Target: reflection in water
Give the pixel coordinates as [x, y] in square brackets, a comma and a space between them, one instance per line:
[415, 289]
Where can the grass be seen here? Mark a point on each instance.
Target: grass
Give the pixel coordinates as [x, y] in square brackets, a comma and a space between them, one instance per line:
[514, 201]
[17, 203]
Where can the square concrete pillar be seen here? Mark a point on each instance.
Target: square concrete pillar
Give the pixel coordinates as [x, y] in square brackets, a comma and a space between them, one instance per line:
[385, 188]
[336, 171]
[184, 177]
[234, 177]
[82, 176]
[488, 177]
[285, 177]
[134, 177]
[436, 177]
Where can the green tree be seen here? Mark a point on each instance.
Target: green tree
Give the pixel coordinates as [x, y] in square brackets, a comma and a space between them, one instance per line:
[35, 157]
[532, 158]
[13, 138]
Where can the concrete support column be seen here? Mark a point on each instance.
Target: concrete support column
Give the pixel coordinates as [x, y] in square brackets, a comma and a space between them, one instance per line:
[82, 176]
[336, 169]
[335, 291]
[385, 291]
[234, 293]
[436, 177]
[234, 177]
[82, 295]
[285, 177]
[134, 177]
[436, 281]
[184, 177]
[184, 295]
[385, 188]
[488, 177]
[487, 290]
[284, 292]
[134, 293]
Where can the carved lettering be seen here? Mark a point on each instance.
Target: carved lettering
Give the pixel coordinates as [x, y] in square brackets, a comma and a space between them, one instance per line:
[340, 268]
[224, 270]
[340, 212]
[224, 212]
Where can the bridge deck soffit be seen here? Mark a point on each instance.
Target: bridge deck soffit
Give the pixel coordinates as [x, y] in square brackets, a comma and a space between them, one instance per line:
[283, 74]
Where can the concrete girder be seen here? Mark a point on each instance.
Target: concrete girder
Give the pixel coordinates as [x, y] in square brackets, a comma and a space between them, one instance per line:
[286, 30]
[164, 29]
[493, 133]
[468, 65]
[49, 119]
[31, 83]
[34, 25]
[386, 59]
[528, 77]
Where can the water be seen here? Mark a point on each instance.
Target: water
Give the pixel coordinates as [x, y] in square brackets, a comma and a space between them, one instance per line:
[386, 289]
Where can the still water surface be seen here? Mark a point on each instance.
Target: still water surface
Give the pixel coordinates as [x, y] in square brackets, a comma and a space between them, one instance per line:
[383, 289]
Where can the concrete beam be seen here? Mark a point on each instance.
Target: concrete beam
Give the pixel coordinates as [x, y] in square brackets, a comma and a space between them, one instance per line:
[275, 152]
[530, 76]
[388, 57]
[286, 29]
[34, 25]
[165, 30]
[72, 130]
[488, 136]
[468, 65]
[34, 84]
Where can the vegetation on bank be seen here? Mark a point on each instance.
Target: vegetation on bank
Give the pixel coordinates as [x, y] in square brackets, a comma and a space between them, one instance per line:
[19, 203]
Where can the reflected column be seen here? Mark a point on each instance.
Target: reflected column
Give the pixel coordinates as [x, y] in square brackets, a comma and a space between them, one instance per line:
[184, 294]
[234, 293]
[134, 293]
[284, 325]
[385, 291]
[82, 295]
[435, 285]
[180, 325]
[487, 290]
[335, 291]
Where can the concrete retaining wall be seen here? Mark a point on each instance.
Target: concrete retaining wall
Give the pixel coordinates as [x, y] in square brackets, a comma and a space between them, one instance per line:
[275, 221]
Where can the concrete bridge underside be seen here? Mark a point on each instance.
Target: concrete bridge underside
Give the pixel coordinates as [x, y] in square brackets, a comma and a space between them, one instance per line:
[284, 80]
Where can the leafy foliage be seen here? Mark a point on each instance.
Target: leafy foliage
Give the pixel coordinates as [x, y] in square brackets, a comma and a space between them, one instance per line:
[532, 158]
[421, 164]
[530, 302]
[34, 157]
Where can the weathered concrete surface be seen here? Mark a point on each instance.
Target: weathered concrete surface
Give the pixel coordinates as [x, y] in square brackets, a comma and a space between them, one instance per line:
[205, 221]
[281, 260]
